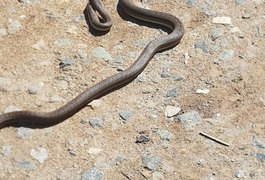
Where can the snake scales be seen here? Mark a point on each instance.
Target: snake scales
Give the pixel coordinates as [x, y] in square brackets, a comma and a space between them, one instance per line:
[116, 81]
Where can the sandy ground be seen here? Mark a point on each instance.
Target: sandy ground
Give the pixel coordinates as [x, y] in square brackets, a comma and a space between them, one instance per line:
[229, 69]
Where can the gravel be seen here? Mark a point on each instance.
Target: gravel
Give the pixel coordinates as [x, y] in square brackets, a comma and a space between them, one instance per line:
[24, 133]
[39, 154]
[151, 162]
[164, 134]
[93, 174]
[6, 150]
[125, 115]
[190, 119]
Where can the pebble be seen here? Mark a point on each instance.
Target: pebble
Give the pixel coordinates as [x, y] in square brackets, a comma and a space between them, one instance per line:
[142, 139]
[23, 133]
[39, 154]
[38, 45]
[35, 87]
[26, 165]
[4, 84]
[222, 20]
[3, 32]
[125, 115]
[202, 91]
[151, 162]
[164, 134]
[55, 98]
[63, 42]
[215, 33]
[13, 26]
[95, 103]
[191, 2]
[96, 122]
[94, 151]
[172, 93]
[83, 57]
[240, 2]
[11, 108]
[66, 62]
[258, 143]
[226, 55]
[79, 18]
[93, 174]
[172, 111]
[260, 157]
[239, 174]
[6, 150]
[202, 45]
[157, 176]
[101, 53]
[190, 119]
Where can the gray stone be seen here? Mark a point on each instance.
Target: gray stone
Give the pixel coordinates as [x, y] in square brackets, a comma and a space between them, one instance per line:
[125, 115]
[151, 162]
[3, 32]
[215, 33]
[226, 55]
[4, 84]
[63, 42]
[101, 53]
[39, 154]
[164, 134]
[93, 174]
[239, 2]
[79, 18]
[83, 57]
[239, 174]
[190, 119]
[260, 157]
[6, 150]
[13, 26]
[142, 139]
[172, 93]
[191, 2]
[23, 133]
[96, 122]
[35, 87]
[258, 143]
[24, 164]
[66, 62]
[202, 45]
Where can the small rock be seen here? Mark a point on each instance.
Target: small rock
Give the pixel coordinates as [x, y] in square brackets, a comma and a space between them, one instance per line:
[23, 133]
[172, 111]
[79, 18]
[101, 53]
[95, 103]
[63, 42]
[260, 157]
[39, 45]
[83, 57]
[4, 84]
[56, 98]
[215, 33]
[40, 154]
[26, 165]
[93, 174]
[6, 150]
[202, 91]
[3, 32]
[11, 108]
[94, 151]
[66, 62]
[13, 26]
[190, 119]
[239, 2]
[172, 93]
[164, 134]
[96, 122]
[35, 87]
[258, 143]
[125, 115]
[151, 162]
[239, 174]
[226, 55]
[191, 2]
[202, 45]
[222, 20]
[142, 139]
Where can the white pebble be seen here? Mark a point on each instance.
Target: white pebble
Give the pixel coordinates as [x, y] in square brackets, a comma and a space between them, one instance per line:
[40, 154]
[94, 151]
[172, 111]
[222, 20]
[202, 91]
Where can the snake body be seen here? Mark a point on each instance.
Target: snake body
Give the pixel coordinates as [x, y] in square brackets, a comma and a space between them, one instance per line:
[114, 82]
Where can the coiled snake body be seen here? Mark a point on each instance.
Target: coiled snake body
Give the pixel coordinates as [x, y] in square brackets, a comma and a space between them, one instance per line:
[45, 119]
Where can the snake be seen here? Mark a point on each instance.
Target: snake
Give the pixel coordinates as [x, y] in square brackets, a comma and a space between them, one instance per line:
[100, 20]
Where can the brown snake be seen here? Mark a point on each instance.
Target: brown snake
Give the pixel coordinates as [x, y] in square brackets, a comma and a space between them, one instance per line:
[114, 82]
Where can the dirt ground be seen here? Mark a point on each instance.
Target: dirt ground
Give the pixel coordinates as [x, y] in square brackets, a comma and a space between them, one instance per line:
[228, 68]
